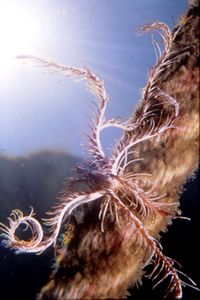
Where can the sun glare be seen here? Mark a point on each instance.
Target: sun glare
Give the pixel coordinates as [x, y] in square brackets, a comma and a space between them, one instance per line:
[18, 33]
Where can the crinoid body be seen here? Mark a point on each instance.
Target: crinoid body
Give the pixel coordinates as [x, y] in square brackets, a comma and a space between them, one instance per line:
[126, 195]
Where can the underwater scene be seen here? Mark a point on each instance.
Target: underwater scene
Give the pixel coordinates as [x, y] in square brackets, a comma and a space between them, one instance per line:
[86, 214]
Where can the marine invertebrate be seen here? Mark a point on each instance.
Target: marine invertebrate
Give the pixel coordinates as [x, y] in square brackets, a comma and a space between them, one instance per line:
[127, 198]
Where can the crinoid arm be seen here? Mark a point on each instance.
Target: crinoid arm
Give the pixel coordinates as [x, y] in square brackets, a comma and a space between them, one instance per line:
[163, 264]
[15, 220]
[37, 243]
[96, 87]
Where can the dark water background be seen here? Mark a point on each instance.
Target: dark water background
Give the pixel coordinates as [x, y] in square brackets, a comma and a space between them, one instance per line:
[36, 180]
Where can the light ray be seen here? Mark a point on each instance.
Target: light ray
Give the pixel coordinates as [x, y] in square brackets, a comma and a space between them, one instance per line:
[18, 33]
